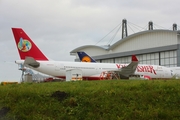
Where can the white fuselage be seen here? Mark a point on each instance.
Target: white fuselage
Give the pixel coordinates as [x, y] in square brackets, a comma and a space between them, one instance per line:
[176, 71]
[92, 71]
[154, 71]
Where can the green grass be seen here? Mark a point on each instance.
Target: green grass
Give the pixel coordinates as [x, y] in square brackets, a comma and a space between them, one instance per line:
[93, 100]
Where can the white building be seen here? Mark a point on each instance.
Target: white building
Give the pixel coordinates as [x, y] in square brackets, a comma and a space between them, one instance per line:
[158, 47]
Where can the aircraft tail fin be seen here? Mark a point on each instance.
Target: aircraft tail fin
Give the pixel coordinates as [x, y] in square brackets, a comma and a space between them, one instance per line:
[85, 57]
[26, 47]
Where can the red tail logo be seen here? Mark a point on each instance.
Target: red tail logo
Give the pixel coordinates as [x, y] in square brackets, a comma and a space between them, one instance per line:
[26, 46]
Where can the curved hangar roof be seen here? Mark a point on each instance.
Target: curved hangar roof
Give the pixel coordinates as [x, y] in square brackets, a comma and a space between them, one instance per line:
[136, 42]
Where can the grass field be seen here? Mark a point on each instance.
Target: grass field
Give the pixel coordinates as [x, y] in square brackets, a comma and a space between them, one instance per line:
[91, 100]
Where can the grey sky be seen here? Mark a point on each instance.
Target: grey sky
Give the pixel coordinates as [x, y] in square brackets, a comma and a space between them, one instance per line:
[59, 26]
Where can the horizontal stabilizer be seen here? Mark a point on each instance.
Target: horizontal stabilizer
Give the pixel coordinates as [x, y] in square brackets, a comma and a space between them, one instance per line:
[31, 62]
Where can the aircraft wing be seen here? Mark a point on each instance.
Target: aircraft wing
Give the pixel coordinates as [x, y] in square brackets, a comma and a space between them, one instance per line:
[29, 61]
[129, 69]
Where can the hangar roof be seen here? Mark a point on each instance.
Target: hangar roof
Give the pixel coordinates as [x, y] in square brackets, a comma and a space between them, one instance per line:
[136, 34]
[107, 48]
[86, 46]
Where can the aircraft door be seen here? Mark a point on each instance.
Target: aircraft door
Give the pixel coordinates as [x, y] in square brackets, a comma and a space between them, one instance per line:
[97, 69]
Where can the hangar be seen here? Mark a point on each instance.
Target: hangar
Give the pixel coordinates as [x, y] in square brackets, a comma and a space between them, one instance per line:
[157, 47]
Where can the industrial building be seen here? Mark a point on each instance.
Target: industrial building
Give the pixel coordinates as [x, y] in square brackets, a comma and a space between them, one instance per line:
[152, 46]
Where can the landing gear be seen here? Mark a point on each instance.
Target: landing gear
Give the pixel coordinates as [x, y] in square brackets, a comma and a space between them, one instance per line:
[109, 75]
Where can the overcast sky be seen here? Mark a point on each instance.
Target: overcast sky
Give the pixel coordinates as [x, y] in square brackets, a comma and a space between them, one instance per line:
[59, 26]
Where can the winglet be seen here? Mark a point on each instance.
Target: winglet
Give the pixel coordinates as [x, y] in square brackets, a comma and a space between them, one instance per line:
[134, 58]
[130, 68]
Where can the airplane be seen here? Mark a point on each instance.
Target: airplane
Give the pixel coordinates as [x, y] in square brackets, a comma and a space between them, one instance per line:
[32, 57]
[147, 71]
